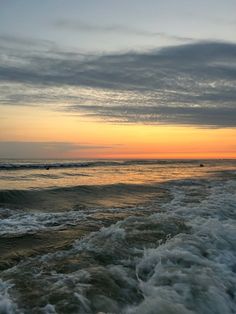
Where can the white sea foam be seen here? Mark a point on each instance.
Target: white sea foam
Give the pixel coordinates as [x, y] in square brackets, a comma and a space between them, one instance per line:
[189, 273]
[194, 273]
[49, 309]
[19, 222]
[7, 306]
[23, 223]
[181, 260]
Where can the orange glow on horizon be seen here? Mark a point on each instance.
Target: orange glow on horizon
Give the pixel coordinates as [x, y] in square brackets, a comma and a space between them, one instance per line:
[33, 124]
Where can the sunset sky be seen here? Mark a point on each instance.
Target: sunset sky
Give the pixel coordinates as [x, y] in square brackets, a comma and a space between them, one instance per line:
[117, 79]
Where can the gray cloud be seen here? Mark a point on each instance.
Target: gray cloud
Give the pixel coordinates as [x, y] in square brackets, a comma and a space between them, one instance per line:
[187, 84]
[11, 149]
[204, 116]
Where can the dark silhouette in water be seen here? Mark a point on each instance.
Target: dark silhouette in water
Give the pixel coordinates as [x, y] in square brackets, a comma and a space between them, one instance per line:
[201, 165]
[47, 167]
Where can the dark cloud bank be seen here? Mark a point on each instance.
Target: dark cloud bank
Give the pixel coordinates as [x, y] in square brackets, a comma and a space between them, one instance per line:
[192, 84]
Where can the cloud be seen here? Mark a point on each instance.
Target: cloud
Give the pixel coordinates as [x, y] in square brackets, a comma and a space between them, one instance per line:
[81, 26]
[181, 115]
[193, 84]
[11, 149]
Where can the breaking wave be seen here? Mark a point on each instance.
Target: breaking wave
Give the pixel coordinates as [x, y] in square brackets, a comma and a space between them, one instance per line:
[180, 260]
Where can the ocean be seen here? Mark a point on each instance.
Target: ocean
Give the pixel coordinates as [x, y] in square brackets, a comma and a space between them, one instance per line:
[118, 236]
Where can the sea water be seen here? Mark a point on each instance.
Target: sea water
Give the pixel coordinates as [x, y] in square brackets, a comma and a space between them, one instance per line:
[140, 236]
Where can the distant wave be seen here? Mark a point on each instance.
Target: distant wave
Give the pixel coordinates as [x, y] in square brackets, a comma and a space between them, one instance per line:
[56, 165]
[19, 166]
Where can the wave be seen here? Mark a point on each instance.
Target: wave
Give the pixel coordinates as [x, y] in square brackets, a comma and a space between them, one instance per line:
[47, 166]
[58, 165]
[56, 199]
[181, 261]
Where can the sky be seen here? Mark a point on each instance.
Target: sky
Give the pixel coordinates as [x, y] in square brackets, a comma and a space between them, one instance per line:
[117, 79]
